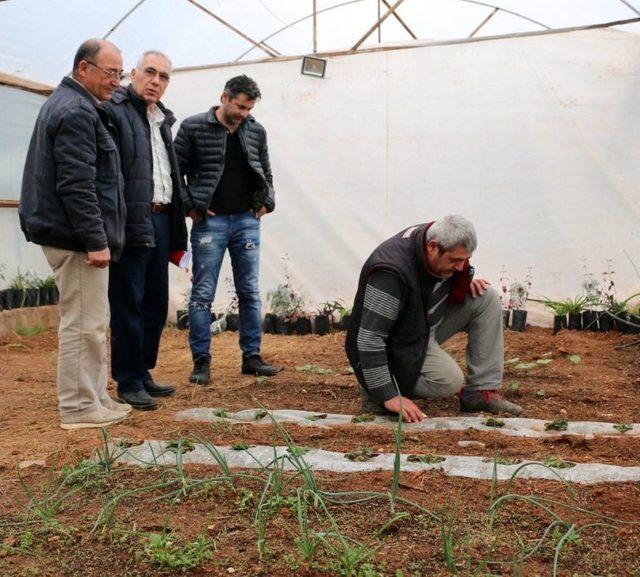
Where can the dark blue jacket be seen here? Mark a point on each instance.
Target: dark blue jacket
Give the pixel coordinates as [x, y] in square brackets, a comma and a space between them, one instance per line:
[200, 146]
[72, 189]
[128, 115]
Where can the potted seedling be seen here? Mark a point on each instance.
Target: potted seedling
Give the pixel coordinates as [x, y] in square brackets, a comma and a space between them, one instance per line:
[48, 291]
[324, 317]
[32, 289]
[518, 296]
[285, 304]
[559, 309]
[592, 289]
[345, 318]
[16, 294]
[303, 323]
[231, 312]
[2, 269]
[504, 297]
[575, 307]
[182, 314]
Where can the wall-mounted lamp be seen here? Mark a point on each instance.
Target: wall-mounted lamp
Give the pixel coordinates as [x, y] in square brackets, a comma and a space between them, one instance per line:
[313, 66]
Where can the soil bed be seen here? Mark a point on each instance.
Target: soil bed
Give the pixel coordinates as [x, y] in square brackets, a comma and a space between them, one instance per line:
[602, 385]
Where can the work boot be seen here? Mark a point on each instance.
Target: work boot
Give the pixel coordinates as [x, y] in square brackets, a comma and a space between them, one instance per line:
[156, 390]
[490, 401]
[201, 374]
[254, 365]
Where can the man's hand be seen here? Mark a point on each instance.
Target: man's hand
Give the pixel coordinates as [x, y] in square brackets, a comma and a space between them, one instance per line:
[98, 258]
[478, 286]
[195, 216]
[411, 413]
[260, 213]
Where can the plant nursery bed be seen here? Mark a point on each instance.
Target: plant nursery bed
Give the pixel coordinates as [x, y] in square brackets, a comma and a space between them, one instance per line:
[67, 508]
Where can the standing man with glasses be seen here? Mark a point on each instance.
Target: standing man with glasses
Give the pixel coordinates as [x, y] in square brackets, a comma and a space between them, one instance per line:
[72, 205]
[224, 156]
[139, 282]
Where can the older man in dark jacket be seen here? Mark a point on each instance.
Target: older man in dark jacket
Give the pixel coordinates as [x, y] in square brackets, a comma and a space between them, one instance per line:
[223, 154]
[71, 204]
[139, 282]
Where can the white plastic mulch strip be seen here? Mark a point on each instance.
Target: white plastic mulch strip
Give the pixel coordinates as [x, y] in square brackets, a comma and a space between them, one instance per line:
[517, 427]
[158, 453]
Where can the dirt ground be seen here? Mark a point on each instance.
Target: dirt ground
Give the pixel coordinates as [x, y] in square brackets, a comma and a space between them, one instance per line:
[603, 384]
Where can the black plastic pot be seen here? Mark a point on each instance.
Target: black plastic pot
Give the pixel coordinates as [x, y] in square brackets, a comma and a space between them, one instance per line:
[54, 295]
[590, 320]
[575, 322]
[33, 297]
[605, 322]
[518, 320]
[506, 313]
[345, 321]
[15, 298]
[620, 322]
[182, 319]
[303, 326]
[634, 327]
[232, 322]
[269, 324]
[559, 323]
[322, 324]
[44, 295]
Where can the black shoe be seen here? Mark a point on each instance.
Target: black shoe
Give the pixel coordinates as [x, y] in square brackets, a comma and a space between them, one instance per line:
[201, 374]
[140, 400]
[254, 365]
[156, 390]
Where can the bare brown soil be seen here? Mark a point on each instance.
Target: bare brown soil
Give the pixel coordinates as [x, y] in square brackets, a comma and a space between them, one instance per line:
[603, 386]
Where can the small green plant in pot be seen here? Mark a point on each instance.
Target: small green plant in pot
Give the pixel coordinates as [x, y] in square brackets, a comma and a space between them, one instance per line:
[518, 296]
[324, 317]
[559, 309]
[16, 294]
[286, 304]
[345, 318]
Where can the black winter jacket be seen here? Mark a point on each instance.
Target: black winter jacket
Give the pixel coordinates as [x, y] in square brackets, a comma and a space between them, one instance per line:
[72, 189]
[200, 146]
[132, 134]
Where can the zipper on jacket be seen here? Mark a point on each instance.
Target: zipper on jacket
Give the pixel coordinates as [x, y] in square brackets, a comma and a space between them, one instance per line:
[224, 153]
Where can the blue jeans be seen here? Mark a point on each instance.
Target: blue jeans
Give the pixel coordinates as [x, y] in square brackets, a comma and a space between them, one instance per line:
[210, 238]
[139, 297]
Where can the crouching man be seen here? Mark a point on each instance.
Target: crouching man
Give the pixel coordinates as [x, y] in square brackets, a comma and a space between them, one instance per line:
[416, 290]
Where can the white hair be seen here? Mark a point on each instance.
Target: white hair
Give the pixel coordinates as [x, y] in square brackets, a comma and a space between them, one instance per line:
[452, 231]
[152, 53]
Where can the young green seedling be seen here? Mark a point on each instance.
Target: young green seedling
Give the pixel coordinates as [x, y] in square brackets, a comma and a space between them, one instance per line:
[428, 458]
[361, 455]
[559, 424]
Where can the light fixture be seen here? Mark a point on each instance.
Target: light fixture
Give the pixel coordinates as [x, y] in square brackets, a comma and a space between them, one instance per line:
[313, 66]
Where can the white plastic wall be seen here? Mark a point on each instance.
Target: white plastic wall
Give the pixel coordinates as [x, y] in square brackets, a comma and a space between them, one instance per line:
[535, 139]
[18, 112]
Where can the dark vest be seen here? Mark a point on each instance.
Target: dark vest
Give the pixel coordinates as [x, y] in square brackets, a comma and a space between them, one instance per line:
[128, 113]
[403, 255]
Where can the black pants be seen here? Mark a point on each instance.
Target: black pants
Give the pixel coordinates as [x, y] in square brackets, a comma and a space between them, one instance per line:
[138, 296]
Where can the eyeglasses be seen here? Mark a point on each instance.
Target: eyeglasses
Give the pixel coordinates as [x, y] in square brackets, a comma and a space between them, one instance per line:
[110, 74]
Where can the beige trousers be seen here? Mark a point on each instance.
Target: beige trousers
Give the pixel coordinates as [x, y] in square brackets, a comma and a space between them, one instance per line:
[82, 370]
[481, 319]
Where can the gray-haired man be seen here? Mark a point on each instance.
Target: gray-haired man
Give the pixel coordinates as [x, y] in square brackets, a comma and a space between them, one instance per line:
[416, 290]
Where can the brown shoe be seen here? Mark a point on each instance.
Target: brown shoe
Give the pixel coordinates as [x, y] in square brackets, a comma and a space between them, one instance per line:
[490, 401]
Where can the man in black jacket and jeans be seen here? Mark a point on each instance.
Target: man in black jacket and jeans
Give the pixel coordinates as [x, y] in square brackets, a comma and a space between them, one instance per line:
[71, 204]
[223, 155]
[139, 282]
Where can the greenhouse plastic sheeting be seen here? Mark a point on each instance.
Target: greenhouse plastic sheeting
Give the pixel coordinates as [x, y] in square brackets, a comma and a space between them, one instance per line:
[535, 139]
